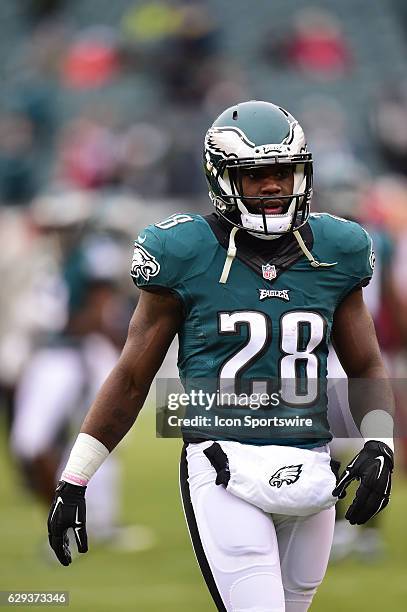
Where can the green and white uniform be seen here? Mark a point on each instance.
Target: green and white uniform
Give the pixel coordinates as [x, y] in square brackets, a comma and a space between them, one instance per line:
[267, 328]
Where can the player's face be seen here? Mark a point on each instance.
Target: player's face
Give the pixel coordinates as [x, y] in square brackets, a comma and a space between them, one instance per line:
[273, 181]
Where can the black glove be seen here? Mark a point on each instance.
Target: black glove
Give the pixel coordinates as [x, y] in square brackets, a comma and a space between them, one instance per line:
[373, 467]
[68, 509]
[219, 460]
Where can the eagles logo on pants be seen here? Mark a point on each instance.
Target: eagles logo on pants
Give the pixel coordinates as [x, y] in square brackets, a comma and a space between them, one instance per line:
[277, 479]
[287, 474]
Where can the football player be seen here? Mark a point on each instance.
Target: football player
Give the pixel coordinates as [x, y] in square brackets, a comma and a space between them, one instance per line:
[255, 291]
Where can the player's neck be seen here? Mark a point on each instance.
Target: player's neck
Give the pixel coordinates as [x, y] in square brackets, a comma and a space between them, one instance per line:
[244, 238]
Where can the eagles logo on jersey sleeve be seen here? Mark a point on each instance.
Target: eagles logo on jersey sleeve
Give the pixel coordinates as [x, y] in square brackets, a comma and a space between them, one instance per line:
[146, 265]
[162, 254]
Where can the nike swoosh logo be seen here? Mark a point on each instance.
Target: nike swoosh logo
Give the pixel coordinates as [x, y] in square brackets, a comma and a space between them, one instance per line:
[77, 528]
[59, 501]
[344, 477]
[141, 239]
[381, 459]
[347, 471]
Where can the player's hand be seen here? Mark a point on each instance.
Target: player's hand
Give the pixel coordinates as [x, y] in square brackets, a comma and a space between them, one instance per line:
[373, 467]
[68, 510]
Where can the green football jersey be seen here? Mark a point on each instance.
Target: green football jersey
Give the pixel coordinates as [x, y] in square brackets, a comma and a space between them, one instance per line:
[262, 332]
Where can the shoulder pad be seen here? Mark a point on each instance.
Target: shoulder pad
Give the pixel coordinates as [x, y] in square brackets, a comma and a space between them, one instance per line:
[166, 252]
[346, 242]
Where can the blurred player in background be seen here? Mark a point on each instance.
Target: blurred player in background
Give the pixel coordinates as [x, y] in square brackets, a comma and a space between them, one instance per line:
[78, 346]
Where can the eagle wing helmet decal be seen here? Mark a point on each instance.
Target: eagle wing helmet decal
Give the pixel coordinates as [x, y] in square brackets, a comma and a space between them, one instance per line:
[229, 142]
[144, 264]
[287, 474]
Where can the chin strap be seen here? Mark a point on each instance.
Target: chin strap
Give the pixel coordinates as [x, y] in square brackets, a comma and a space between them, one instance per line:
[231, 254]
[313, 262]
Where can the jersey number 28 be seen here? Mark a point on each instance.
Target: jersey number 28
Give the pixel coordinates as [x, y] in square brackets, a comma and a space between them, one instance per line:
[300, 334]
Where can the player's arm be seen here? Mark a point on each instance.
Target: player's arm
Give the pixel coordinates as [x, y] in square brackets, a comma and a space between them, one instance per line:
[355, 342]
[152, 328]
[372, 405]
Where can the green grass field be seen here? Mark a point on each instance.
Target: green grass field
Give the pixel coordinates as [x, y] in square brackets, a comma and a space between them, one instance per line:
[166, 578]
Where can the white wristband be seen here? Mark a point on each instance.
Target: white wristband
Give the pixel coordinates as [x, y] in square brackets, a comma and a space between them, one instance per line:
[378, 425]
[87, 455]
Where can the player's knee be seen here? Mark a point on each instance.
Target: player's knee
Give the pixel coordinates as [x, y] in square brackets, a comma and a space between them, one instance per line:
[299, 596]
[244, 555]
[236, 549]
[257, 592]
[302, 583]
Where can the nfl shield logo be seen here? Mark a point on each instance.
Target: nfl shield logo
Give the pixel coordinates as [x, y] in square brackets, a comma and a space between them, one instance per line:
[269, 272]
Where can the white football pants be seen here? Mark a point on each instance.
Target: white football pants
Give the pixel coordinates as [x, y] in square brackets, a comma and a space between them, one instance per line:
[251, 561]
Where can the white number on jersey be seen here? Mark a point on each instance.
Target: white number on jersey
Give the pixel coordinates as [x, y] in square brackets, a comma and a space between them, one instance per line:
[300, 334]
[173, 220]
[258, 336]
[296, 356]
